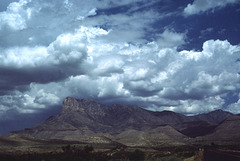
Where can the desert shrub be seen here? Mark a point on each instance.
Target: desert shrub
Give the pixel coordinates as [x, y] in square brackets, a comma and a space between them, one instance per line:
[170, 158]
[67, 149]
[137, 155]
[99, 156]
[88, 148]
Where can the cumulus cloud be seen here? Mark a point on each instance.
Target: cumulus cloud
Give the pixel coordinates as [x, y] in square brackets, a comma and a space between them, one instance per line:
[25, 103]
[59, 50]
[149, 75]
[62, 58]
[156, 78]
[234, 107]
[199, 6]
[170, 39]
[15, 16]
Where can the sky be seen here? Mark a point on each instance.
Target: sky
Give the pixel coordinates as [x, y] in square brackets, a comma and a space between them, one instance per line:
[182, 56]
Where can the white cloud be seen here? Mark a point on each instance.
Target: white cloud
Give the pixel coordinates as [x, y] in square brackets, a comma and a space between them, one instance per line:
[72, 47]
[68, 47]
[49, 18]
[199, 6]
[121, 30]
[170, 39]
[15, 16]
[234, 107]
[185, 81]
[92, 12]
[192, 82]
[176, 80]
[200, 106]
[29, 102]
[21, 103]
[15, 21]
[46, 98]
[24, 56]
[107, 65]
[211, 85]
[59, 53]
[103, 87]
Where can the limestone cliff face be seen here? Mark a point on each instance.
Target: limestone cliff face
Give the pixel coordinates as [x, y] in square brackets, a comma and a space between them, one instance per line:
[88, 106]
[71, 104]
[107, 115]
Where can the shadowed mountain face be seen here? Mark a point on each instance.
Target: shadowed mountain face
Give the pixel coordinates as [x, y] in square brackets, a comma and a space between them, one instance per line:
[91, 122]
[227, 131]
[202, 124]
[214, 117]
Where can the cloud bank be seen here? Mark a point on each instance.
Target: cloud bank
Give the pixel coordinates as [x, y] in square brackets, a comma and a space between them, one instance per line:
[88, 49]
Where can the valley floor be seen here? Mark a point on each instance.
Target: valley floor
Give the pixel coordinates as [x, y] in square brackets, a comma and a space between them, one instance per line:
[88, 153]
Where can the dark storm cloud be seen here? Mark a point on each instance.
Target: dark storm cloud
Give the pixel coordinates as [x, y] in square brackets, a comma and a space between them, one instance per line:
[16, 79]
[18, 70]
[142, 88]
[13, 120]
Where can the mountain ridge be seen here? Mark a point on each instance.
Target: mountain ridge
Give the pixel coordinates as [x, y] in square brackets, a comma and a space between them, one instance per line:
[92, 122]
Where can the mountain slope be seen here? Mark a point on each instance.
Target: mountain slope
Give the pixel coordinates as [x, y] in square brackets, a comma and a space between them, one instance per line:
[214, 117]
[202, 124]
[170, 117]
[226, 131]
[163, 135]
[88, 121]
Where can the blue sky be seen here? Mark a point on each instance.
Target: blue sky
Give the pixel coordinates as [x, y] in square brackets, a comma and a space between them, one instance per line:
[182, 56]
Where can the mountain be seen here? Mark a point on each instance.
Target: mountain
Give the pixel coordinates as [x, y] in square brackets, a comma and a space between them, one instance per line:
[88, 121]
[228, 131]
[7, 141]
[202, 124]
[170, 117]
[163, 135]
[214, 117]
